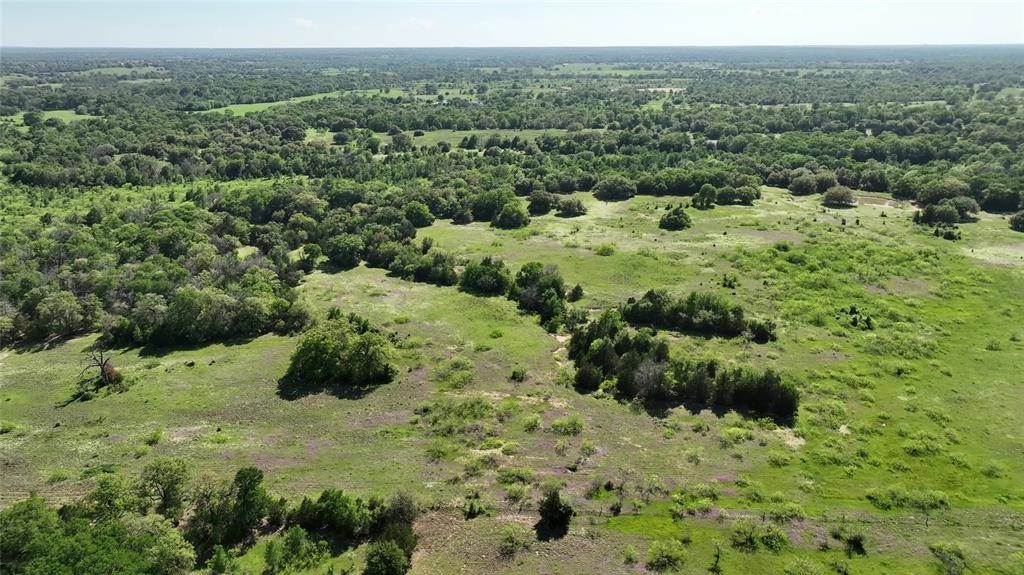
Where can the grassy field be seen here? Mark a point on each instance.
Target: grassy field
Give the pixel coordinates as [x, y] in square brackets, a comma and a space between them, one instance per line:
[120, 71]
[940, 369]
[242, 109]
[63, 115]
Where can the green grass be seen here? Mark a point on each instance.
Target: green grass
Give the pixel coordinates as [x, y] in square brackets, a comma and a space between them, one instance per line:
[63, 115]
[941, 364]
[243, 109]
[120, 71]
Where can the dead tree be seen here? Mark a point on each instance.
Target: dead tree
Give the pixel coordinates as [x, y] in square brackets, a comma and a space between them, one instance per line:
[107, 375]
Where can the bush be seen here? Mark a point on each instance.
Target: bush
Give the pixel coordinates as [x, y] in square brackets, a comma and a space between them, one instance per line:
[665, 555]
[1017, 221]
[748, 536]
[487, 277]
[901, 498]
[675, 219]
[385, 558]
[605, 249]
[342, 352]
[839, 197]
[514, 538]
[571, 208]
[951, 556]
[541, 202]
[511, 216]
[568, 425]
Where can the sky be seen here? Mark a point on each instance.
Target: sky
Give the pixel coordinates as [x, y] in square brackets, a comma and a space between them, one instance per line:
[345, 23]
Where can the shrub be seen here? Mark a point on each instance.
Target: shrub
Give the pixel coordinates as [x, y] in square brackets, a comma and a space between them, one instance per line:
[665, 555]
[342, 352]
[675, 219]
[511, 216]
[838, 196]
[487, 277]
[1017, 221]
[901, 498]
[385, 558]
[605, 249]
[541, 202]
[571, 208]
[802, 566]
[568, 425]
[514, 538]
[531, 423]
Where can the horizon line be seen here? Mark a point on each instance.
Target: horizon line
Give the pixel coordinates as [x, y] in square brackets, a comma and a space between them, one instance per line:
[516, 47]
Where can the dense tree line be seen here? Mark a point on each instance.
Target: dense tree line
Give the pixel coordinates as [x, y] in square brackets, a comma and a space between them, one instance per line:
[116, 529]
[700, 312]
[634, 365]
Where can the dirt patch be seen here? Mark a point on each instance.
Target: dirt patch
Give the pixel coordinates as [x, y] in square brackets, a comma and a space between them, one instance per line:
[314, 447]
[436, 530]
[790, 439]
[179, 434]
[908, 286]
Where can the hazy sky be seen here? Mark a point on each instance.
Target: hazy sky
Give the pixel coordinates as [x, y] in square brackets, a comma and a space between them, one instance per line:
[342, 23]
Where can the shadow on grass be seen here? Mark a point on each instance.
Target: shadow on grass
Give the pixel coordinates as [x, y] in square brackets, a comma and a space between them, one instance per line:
[660, 409]
[547, 532]
[291, 388]
[160, 350]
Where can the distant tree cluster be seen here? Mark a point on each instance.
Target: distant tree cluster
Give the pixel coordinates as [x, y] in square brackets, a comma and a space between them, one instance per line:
[634, 365]
[115, 528]
[700, 312]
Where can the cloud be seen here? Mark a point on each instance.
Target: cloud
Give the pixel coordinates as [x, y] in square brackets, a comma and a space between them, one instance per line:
[304, 23]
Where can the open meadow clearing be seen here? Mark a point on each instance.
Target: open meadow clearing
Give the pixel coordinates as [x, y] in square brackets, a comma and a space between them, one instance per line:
[512, 311]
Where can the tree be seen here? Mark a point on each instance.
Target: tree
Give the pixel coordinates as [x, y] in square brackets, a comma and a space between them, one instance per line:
[164, 545]
[511, 216]
[165, 481]
[336, 353]
[251, 500]
[401, 142]
[614, 188]
[541, 202]
[106, 375]
[1017, 221]
[555, 514]
[804, 185]
[675, 219]
[489, 277]
[58, 314]
[705, 197]
[418, 214]
[839, 197]
[385, 558]
[344, 250]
